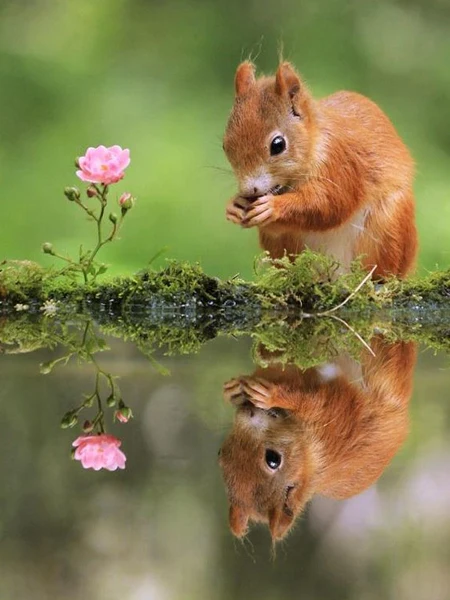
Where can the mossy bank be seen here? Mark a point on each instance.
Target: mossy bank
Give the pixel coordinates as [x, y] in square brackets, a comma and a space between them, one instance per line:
[309, 285]
[300, 309]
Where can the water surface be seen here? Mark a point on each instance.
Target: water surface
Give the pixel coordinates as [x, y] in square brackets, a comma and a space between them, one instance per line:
[160, 528]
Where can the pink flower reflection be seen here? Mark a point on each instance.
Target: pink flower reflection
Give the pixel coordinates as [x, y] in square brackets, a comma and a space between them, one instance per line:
[99, 452]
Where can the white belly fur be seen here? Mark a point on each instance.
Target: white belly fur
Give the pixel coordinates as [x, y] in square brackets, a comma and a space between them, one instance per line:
[339, 243]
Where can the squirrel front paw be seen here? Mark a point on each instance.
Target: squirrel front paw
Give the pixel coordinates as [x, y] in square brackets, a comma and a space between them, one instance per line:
[237, 210]
[262, 212]
[259, 391]
[233, 392]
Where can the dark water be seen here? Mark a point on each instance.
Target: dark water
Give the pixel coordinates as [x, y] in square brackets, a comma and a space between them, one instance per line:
[159, 529]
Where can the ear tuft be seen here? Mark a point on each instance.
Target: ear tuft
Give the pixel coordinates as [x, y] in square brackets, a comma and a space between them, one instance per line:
[287, 80]
[238, 518]
[244, 79]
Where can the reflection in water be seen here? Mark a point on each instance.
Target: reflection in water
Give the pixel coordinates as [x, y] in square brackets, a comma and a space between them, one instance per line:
[130, 534]
[328, 430]
[95, 449]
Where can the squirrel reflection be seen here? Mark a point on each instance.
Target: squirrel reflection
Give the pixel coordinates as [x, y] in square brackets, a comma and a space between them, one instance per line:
[328, 430]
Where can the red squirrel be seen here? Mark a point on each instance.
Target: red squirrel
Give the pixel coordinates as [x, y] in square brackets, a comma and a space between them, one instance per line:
[332, 174]
[328, 430]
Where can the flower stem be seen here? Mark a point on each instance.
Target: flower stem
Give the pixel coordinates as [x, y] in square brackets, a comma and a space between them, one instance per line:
[90, 212]
[102, 197]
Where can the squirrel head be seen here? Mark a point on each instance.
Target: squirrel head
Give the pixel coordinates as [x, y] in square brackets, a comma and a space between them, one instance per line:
[266, 469]
[270, 133]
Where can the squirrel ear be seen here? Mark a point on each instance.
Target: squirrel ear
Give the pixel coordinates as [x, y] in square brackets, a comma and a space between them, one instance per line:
[238, 520]
[244, 78]
[286, 80]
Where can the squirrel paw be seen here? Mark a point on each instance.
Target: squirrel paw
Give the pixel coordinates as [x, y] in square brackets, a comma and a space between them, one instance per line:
[236, 210]
[261, 212]
[233, 392]
[258, 391]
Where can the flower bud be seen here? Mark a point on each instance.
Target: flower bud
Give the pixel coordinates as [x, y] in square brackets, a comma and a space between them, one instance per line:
[113, 218]
[72, 193]
[91, 192]
[88, 427]
[46, 368]
[111, 400]
[126, 201]
[47, 248]
[77, 162]
[69, 420]
[123, 414]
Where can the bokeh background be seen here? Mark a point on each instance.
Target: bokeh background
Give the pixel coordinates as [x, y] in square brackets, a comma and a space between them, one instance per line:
[157, 77]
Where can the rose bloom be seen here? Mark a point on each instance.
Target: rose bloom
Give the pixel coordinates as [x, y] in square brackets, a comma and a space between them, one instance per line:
[99, 452]
[103, 165]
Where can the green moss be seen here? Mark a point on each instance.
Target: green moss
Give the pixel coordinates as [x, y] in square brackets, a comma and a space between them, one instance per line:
[411, 293]
[23, 332]
[311, 341]
[180, 307]
[302, 341]
[21, 280]
[311, 282]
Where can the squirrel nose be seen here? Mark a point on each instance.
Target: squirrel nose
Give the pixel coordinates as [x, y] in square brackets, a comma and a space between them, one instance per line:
[252, 192]
[256, 185]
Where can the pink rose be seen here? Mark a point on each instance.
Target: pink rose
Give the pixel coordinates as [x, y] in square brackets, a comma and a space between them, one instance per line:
[103, 165]
[99, 452]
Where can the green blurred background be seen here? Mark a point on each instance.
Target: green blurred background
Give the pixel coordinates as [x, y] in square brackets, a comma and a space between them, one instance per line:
[157, 77]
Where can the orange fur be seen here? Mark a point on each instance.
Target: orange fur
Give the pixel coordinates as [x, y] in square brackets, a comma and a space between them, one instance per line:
[342, 186]
[337, 430]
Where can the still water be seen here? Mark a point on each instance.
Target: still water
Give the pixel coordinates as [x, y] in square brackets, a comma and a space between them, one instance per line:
[347, 462]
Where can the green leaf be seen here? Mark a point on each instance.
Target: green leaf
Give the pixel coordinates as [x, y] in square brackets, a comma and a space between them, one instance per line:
[102, 269]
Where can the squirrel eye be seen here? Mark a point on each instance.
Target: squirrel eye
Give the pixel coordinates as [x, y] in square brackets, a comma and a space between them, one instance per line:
[278, 145]
[273, 459]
